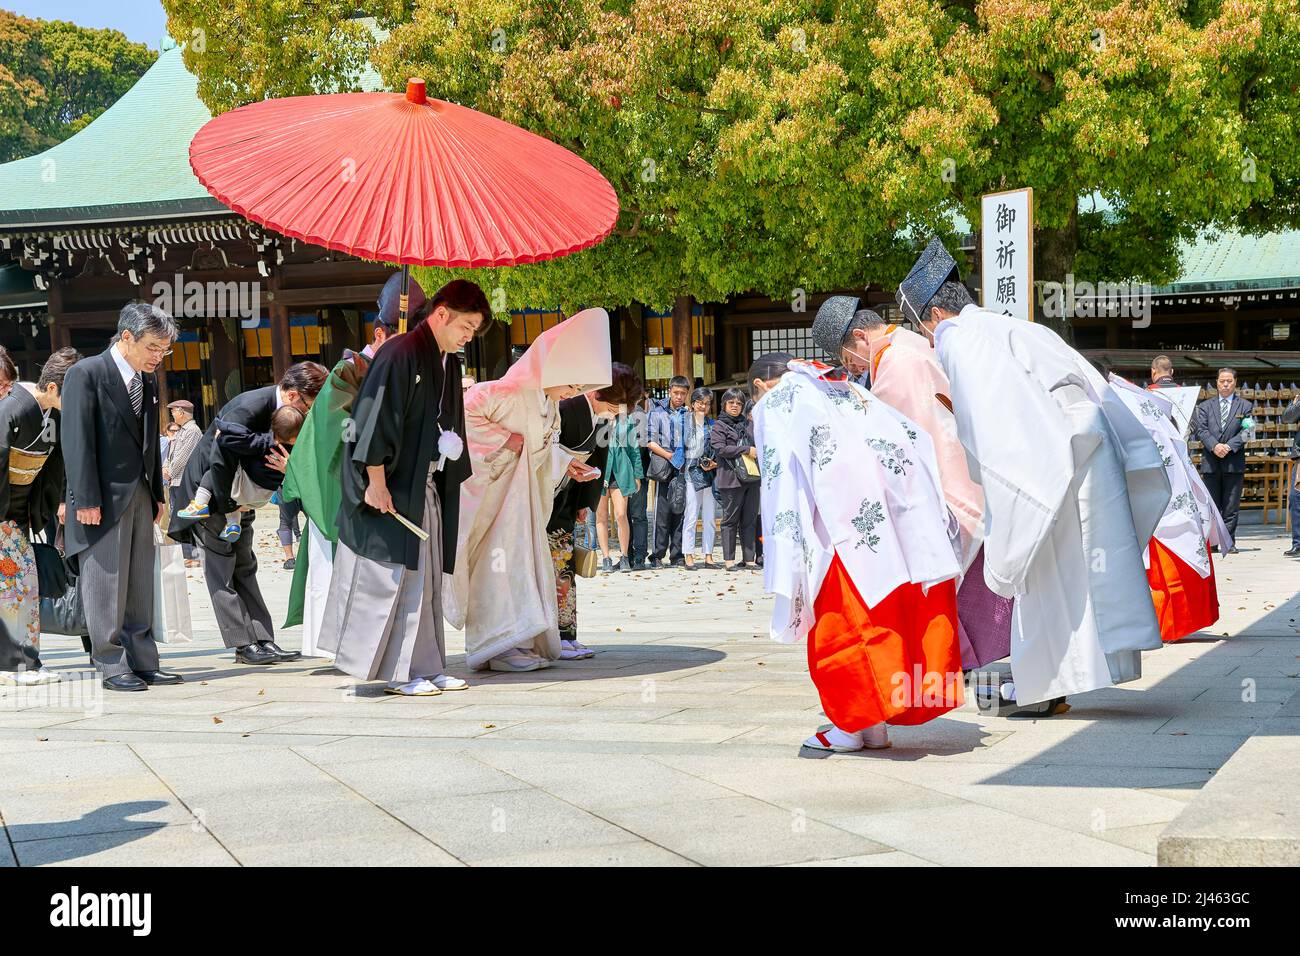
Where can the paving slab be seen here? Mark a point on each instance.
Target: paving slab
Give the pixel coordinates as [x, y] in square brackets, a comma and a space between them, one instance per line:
[181, 845]
[677, 744]
[516, 823]
[741, 831]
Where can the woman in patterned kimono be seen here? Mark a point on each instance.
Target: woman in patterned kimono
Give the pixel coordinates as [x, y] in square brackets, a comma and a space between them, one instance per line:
[31, 484]
[861, 553]
[588, 424]
[503, 592]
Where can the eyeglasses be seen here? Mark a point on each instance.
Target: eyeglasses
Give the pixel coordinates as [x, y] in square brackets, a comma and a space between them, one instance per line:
[158, 352]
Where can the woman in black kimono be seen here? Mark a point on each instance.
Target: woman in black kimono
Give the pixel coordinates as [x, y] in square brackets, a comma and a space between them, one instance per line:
[31, 487]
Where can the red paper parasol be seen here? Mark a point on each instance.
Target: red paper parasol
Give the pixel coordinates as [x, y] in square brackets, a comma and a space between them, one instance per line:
[403, 178]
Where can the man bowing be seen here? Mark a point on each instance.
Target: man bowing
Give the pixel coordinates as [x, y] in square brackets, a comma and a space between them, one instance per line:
[401, 502]
[1073, 489]
[905, 374]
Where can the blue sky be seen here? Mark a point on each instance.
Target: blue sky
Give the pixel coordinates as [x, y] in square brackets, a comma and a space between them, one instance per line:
[141, 20]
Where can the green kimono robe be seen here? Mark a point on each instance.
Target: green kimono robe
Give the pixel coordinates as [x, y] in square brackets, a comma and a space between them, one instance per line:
[314, 472]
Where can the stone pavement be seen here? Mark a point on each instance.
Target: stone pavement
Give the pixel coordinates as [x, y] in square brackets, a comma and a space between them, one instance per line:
[677, 744]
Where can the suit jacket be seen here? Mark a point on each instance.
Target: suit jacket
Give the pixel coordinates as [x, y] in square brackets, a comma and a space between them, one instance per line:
[1205, 426]
[579, 433]
[1290, 417]
[107, 448]
[220, 454]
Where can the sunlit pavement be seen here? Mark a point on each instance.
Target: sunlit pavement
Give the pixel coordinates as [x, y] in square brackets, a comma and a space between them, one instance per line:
[678, 743]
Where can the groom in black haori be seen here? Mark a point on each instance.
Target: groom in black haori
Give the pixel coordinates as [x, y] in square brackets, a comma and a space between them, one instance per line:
[401, 502]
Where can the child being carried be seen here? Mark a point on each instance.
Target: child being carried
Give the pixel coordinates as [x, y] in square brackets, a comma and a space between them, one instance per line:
[254, 482]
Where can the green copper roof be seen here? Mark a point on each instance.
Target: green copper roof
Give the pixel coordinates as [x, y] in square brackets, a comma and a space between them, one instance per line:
[1227, 261]
[131, 162]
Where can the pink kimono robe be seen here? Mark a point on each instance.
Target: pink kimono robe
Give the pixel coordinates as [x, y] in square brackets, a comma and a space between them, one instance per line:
[906, 374]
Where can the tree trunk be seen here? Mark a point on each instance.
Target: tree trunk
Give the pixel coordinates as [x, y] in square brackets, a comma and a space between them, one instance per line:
[683, 344]
[1054, 254]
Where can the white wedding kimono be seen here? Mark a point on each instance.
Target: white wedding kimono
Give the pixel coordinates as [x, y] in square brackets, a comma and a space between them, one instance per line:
[1074, 487]
[1191, 519]
[503, 590]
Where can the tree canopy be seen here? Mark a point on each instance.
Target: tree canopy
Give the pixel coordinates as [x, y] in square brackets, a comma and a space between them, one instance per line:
[56, 77]
[815, 144]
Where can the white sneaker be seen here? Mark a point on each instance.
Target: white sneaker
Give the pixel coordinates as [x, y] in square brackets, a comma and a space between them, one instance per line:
[517, 661]
[420, 687]
[447, 682]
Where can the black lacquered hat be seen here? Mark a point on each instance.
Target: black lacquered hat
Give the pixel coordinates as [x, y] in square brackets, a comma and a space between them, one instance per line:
[832, 323]
[932, 270]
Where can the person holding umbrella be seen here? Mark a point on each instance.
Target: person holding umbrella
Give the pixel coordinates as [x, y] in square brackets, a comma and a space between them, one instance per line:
[398, 521]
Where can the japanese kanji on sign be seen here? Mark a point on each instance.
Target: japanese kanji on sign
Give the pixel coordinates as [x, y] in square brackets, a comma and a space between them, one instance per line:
[1007, 252]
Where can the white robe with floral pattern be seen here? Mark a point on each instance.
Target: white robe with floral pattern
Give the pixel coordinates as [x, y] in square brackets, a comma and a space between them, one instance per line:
[844, 473]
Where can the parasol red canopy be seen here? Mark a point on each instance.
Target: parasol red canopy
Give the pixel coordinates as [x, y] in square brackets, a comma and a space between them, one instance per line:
[402, 178]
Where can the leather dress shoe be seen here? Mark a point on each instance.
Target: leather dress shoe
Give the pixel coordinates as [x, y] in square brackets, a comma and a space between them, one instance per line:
[1294, 552]
[159, 677]
[124, 682]
[280, 653]
[254, 654]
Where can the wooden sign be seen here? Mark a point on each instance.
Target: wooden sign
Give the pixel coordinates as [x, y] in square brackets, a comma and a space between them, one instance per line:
[1007, 253]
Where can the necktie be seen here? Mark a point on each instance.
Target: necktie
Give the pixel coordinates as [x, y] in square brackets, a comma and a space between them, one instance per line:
[136, 391]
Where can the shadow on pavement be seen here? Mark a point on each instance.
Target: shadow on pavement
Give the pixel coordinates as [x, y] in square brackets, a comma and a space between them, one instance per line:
[102, 829]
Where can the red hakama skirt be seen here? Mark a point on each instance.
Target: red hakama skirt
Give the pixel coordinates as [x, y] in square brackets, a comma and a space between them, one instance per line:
[1185, 602]
[898, 662]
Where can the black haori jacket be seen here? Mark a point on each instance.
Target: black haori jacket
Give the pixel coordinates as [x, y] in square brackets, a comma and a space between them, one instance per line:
[394, 425]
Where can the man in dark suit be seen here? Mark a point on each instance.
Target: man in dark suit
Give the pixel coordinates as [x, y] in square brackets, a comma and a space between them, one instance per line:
[1217, 424]
[115, 494]
[230, 567]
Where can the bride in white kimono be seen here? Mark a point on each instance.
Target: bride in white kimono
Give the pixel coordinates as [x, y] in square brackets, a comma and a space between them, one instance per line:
[503, 589]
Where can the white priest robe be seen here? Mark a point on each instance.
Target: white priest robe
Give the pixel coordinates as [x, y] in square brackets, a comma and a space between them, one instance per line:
[503, 589]
[1074, 488]
[1187, 523]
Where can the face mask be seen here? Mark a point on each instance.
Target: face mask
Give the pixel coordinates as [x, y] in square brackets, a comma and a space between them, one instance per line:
[866, 362]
